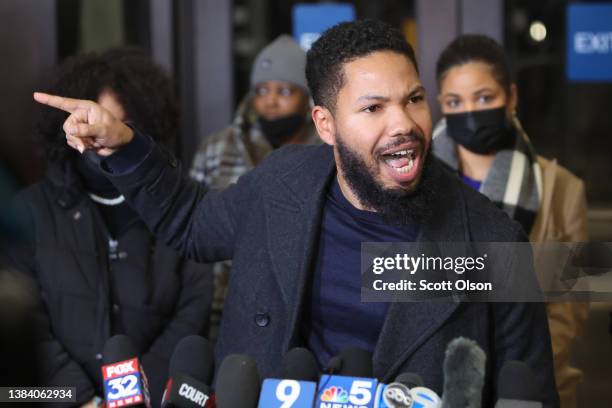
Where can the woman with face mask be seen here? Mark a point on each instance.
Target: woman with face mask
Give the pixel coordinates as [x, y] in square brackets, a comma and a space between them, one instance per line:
[481, 138]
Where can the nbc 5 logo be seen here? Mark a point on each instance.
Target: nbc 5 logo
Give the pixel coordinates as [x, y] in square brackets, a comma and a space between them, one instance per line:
[335, 394]
[344, 392]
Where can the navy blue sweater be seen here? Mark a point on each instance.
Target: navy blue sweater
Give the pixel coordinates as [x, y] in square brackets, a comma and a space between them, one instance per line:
[336, 318]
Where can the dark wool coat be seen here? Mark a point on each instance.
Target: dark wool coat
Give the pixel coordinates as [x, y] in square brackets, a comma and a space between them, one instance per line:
[149, 293]
[268, 223]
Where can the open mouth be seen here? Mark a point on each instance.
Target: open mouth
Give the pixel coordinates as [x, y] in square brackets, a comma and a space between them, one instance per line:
[401, 163]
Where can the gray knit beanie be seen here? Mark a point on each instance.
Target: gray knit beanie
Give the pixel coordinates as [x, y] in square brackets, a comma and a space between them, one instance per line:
[281, 60]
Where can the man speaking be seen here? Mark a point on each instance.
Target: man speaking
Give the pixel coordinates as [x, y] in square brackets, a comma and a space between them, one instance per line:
[294, 225]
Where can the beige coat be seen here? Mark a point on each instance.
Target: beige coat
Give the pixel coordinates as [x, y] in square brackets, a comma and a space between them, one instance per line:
[562, 218]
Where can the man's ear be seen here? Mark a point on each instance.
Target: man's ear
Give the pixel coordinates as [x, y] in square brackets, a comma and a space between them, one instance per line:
[324, 122]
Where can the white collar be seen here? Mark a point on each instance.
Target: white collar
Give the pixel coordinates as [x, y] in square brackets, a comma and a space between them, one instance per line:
[107, 201]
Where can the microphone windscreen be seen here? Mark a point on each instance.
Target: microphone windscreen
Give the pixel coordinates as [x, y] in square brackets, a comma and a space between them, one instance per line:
[193, 356]
[334, 365]
[237, 383]
[356, 362]
[299, 364]
[464, 370]
[517, 382]
[118, 348]
[410, 380]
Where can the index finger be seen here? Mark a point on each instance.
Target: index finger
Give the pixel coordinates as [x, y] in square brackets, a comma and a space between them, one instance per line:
[66, 104]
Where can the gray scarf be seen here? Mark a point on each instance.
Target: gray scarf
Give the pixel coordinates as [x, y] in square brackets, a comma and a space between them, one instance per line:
[514, 182]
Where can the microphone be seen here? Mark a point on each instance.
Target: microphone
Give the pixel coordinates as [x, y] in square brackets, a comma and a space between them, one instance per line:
[393, 395]
[410, 380]
[422, 397]
[300, 364]
[356, 362]
[333, 365]
[125, 383]
[517, 387]
[190, 370]
[298, 387]
[237, 383]
[464, 370]
[353, 384]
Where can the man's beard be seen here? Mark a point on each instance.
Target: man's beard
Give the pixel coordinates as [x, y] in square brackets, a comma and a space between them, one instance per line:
[396, 205]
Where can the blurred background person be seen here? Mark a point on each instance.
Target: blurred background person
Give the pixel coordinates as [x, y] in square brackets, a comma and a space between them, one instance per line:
[20, 331]
[274, 113]
[481, 138]
[99, 270]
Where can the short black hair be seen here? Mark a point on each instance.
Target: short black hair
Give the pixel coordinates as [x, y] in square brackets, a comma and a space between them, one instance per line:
[476, 48]
[344, 43]
[142, 88]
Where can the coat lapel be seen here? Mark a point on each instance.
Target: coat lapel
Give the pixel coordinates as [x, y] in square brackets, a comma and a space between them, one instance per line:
[294, 207]
[540, 226]
[410, 324]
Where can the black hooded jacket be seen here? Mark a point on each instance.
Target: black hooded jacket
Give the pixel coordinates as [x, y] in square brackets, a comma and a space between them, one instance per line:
[93, 288]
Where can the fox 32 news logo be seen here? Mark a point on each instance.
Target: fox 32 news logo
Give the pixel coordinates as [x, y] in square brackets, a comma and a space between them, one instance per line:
[123, 384]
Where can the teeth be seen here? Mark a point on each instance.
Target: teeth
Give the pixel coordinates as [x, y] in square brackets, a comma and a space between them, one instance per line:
[406, 168]
[403, 153]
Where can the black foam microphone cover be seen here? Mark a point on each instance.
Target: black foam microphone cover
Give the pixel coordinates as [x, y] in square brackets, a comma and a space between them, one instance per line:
[356, 362]
[193, 356]
[410, 380]
[334, 365]
[238, 382]
[300, 364]
[517, 382]
[118, 348]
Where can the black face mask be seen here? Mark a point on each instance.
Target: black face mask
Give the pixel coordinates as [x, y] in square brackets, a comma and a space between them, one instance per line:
[483, 131]
[278, 131]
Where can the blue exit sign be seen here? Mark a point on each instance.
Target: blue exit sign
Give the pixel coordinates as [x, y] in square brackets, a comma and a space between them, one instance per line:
[589, 42]
[310, 20]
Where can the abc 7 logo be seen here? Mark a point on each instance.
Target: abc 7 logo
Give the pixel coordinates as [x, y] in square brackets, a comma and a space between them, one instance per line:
[397, 395]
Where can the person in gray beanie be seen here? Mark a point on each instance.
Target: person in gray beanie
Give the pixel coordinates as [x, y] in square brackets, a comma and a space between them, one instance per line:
[275, 112]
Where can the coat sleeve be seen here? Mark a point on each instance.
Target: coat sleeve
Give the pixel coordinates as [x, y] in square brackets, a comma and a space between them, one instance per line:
[575, 212]
[190, 317]
[567, 319]
[199, 224]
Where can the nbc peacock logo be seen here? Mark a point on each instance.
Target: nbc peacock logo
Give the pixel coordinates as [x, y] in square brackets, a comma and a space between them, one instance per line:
[335, 394]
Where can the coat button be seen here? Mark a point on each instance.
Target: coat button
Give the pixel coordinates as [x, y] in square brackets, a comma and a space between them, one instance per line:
[262, 319]
[116, 308]
[98, 356]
